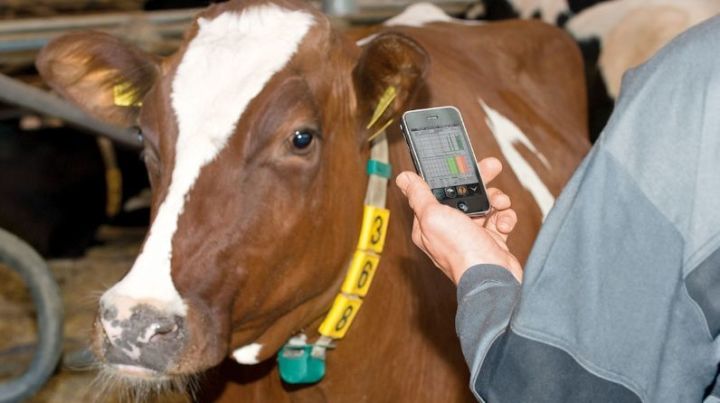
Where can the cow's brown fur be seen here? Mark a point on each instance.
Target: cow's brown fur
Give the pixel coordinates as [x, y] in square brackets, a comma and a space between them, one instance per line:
[266, 233]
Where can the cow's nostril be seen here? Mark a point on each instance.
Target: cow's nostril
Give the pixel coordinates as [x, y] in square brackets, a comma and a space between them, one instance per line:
[166, 328]
[161, 331]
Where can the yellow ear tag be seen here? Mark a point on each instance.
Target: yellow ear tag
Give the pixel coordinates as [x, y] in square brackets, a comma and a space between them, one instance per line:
[124, 95]
[387, 97]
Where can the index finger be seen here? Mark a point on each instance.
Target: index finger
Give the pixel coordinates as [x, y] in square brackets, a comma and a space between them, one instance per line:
[417, 191]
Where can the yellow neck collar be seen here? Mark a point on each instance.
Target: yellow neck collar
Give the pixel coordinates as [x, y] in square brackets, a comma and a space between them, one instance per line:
[302, 363]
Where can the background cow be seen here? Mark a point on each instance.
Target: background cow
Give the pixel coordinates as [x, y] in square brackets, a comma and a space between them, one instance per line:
[556, 12]
[58, 185]
[631, 31]
[256, 142]
[614, 36]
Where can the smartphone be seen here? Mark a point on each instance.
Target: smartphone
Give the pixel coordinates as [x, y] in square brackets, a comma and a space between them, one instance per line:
[443, 156]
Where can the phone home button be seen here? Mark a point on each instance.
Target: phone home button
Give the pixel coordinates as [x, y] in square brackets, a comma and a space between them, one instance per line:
[450, 192]
[463, 206]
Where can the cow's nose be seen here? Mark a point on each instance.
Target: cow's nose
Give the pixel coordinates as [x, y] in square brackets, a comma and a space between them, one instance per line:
[141, 336]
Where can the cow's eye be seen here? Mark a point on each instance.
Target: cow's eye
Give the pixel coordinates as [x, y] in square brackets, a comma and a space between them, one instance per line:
[137, 134]
[149, 156]
[302, 138]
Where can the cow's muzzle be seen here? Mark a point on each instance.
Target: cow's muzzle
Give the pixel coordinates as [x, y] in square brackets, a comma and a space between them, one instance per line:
[143, 337]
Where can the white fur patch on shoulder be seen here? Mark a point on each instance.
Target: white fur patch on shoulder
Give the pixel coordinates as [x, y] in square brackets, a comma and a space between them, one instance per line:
[419, 14]
[247, 355]
[225, 66]
[364, 41]
[507, 134]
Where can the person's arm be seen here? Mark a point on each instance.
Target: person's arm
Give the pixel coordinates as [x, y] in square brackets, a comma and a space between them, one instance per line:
[473, 254]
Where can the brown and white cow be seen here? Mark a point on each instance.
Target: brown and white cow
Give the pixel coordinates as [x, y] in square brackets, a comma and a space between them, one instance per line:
[631, 31]
[256, 145]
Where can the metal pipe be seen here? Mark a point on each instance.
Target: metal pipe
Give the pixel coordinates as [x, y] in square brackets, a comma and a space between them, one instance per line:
[96, 21]
[23, 259]
[33, 41]
[29, 35]
[18, 93]
[338, 8]
[33, 33]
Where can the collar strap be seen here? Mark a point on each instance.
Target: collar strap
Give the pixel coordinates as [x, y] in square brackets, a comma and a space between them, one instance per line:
[301, 363]
[361, 270]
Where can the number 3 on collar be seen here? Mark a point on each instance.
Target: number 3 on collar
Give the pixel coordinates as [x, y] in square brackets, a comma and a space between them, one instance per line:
[374, 229]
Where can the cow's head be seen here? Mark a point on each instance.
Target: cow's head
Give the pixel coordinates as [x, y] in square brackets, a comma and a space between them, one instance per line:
[255, 143]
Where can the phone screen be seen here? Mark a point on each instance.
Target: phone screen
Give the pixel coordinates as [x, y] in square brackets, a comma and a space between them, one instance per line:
[445, 157]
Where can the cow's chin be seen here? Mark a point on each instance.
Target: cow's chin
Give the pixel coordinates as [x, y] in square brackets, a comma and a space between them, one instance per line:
[139, 384]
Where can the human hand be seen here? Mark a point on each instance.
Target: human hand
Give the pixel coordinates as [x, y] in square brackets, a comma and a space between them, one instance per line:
[451, 239]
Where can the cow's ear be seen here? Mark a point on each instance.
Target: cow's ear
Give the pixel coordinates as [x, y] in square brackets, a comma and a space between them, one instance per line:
[101, 74]
[389, 72]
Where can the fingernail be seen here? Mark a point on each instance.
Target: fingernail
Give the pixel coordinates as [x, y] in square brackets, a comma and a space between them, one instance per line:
[401, 180]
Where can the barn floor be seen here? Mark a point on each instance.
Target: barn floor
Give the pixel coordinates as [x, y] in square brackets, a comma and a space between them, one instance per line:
[82, 281]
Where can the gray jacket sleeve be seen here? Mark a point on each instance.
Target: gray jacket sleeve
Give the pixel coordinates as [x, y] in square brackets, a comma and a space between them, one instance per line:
[486, 296]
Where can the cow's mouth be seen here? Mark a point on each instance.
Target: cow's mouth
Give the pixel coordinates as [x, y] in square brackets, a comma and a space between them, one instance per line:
[136, 383]
[133, 371]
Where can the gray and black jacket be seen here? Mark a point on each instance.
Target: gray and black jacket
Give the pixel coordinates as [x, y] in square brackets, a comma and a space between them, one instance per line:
[621, 296]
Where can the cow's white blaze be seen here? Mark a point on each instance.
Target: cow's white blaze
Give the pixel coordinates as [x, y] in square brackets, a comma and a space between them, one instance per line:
[507, 134]
[248, 355]
[225, 66]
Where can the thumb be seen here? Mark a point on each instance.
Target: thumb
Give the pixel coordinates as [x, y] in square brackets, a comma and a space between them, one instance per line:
[404, 180]
[417, 191]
